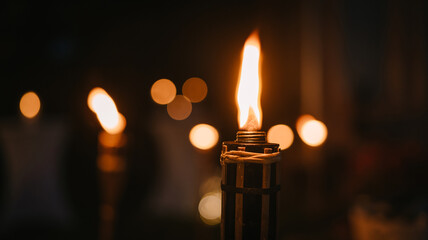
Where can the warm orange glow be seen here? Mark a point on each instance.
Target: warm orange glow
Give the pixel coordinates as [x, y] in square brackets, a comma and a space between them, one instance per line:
[249, 86]
[94, 92]
[108, 140]
[111, 126]
[180, 108]
[100, 102]
[29, 104]
[163, 91]
[313, 132]
[195, 89]
[281, 134]
[301, 121]
[210, 208]
[103, 105]
[203, 136]
[110, 163]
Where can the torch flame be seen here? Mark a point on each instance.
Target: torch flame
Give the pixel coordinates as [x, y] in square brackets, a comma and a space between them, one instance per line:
[249, 86]
[103, 105]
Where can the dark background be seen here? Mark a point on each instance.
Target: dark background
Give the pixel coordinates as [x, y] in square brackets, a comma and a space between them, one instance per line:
[374, 79]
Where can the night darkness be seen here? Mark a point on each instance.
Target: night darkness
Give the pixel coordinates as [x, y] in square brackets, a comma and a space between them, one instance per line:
[370, 57]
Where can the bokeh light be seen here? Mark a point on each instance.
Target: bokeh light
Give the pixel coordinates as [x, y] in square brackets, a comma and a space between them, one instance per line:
[301, 121]
[108, 140]
[29, 104]
[281, 134]
[163, 91]
[95, 92]
[210, 208]
[100, 102]
[180, 108]
[108, 124]
[203, 136]
[313, 133]
[103, 105]
[195, 89]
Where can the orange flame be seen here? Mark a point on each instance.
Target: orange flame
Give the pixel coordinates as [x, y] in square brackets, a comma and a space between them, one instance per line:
[249, 86]
[103, 105]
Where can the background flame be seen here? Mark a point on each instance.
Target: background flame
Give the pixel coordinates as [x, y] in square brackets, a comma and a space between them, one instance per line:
[103, 105]
[249, 86]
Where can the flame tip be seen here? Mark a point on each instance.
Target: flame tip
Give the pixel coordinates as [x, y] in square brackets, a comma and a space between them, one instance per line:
[253, 39]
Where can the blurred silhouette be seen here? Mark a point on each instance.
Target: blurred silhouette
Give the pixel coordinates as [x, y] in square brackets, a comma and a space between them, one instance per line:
[34, 190]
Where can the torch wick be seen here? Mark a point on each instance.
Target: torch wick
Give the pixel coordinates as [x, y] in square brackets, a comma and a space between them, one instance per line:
[251, 136]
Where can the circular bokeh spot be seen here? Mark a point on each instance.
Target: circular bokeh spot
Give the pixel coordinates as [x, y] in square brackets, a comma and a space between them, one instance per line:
[195, 89]
[281, 134]
[180, 108]
[314, 133]
[163, 91]
[203, 136]
[29, 104]
[210, 208]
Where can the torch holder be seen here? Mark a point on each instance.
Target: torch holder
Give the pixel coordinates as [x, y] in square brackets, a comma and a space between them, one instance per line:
[250, 187]
[111, 163]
